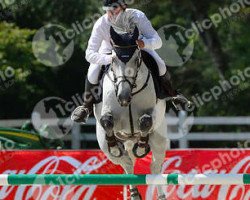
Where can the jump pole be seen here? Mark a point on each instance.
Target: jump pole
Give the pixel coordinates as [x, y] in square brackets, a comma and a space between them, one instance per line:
[124, 179]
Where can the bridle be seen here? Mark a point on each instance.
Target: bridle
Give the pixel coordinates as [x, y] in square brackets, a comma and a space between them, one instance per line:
[132, 84]
[120, 79]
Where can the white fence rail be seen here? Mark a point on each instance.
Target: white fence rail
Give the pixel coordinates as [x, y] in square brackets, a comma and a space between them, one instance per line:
[177, 130]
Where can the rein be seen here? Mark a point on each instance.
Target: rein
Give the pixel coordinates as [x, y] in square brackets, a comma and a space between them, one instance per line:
[144, 86]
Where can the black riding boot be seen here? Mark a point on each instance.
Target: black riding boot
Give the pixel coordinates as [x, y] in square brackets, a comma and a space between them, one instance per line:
[173, 95]
[81, 113]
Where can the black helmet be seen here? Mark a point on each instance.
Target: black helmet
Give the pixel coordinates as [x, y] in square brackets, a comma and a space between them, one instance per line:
[111, 4]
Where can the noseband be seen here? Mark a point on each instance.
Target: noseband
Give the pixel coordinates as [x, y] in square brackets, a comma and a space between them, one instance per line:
[120, 79]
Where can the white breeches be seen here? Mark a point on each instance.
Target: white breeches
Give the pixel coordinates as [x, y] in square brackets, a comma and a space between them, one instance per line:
[94, 69]
[93, 73]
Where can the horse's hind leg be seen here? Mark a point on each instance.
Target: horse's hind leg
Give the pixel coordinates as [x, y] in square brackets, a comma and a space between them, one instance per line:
[158, 145]
[128, 166]
[125, 161]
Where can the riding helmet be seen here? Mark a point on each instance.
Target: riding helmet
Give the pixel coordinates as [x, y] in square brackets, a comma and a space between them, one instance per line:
[111, 4]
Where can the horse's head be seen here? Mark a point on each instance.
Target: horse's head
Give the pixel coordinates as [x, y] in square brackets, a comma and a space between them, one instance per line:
[126, 65]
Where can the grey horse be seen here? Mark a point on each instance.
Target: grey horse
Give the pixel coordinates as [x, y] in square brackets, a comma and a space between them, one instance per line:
[130, 119]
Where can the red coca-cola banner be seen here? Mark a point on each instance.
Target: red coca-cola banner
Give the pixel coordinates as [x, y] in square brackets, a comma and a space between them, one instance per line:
[94, 162]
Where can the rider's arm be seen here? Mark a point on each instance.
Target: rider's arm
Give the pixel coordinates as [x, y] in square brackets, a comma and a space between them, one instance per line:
[92, 53]
[150, 37]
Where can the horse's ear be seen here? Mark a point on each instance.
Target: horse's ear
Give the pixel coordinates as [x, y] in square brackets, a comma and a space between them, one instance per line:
[114, 35]
[136, 33]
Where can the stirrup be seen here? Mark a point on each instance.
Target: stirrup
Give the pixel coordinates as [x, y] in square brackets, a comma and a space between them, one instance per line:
[180, 99]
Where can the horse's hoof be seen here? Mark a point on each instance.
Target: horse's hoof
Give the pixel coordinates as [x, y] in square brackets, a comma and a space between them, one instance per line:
[107, 122]
[135, 195]
[115, 151]
[145, 123]
[162, 197]
[141, 152]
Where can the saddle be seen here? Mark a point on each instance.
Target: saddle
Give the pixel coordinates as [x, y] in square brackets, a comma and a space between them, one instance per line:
[152, 67]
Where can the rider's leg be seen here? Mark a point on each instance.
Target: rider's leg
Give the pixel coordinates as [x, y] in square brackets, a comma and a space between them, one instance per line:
[165, 80]
[81, 113]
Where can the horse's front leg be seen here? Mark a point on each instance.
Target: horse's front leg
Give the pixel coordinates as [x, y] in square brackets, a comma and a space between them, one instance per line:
[107, 123]
[142, 148]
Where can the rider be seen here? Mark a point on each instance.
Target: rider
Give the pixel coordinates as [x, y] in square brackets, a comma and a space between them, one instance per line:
[99, 50]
